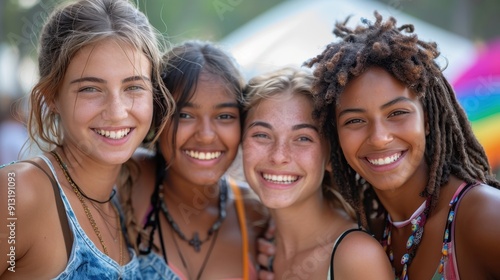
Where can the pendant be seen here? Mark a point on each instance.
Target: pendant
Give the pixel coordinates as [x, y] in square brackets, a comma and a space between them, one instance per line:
[195, 242]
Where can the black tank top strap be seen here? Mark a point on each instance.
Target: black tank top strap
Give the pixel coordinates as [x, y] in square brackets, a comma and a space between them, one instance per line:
[337, 242]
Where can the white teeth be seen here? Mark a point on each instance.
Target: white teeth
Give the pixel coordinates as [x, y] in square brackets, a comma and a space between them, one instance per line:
[114, 134]
[386, 160]
[203, 155]
[280, 179]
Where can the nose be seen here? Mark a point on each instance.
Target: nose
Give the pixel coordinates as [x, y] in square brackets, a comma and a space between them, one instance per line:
[206, 131]
[116, 107]
[380, 134]
[280, 153]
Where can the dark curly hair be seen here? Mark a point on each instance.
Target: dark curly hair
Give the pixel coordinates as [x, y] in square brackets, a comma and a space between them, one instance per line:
[451, 147]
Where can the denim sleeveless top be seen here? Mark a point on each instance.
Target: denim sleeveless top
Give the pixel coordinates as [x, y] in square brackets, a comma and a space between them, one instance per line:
[88, 262]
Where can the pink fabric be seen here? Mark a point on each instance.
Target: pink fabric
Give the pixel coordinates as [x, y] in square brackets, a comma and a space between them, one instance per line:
[450, 270]
[253, 273]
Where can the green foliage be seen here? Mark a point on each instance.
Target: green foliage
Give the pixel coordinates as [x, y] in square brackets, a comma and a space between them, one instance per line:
[202, 19]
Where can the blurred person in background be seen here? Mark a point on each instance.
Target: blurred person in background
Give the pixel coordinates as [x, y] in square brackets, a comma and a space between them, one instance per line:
[13, 133]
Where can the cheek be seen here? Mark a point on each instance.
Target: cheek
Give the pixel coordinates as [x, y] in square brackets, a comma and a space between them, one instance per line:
[144, 107]
[166, 143]
[252, 152]
[346, 141]
[232, 135]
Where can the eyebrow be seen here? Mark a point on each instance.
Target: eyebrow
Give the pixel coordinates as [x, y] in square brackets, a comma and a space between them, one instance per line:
[102, 81]
[295, 127]
[305, 125]
[218, 106]
[383, 106]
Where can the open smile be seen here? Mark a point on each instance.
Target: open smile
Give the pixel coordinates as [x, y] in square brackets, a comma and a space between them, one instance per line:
[280, 179]
[113, 134]
[385, 160]
[203, 155]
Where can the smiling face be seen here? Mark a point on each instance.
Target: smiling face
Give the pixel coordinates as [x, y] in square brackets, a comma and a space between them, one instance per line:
[207, 137]
[284, 155]
[382, 128]
[105, 101]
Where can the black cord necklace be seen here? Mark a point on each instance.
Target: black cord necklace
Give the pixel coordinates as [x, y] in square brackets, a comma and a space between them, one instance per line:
[205, 260]
[65, 169]
[195, 242]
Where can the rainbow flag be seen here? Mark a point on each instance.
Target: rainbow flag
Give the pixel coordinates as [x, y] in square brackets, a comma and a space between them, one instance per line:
[478, 91]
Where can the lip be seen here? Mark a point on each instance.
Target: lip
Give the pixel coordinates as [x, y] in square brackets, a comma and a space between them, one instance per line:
[384, 167]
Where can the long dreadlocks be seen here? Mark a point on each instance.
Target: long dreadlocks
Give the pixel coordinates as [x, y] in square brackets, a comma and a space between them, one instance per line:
[451, 147]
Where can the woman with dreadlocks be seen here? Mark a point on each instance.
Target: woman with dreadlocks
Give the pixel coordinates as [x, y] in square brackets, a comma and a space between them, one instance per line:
[400, 140]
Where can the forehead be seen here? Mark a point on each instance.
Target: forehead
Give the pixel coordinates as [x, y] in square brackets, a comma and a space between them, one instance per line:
[110, 55]
[212, 87]
[375, 84]
[284, 105]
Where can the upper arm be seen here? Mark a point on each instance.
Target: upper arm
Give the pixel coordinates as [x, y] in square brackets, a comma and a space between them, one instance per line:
[477, 230]
[360, 256]
[22, 196]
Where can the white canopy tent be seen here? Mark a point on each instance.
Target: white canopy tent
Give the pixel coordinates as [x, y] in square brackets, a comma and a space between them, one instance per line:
[297, 30]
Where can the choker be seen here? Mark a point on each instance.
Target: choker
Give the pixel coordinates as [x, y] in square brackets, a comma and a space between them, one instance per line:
[195, 242]
[404, 223]
[66, 173]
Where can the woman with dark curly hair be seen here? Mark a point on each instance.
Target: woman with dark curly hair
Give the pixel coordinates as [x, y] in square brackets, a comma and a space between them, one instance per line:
[401, 145]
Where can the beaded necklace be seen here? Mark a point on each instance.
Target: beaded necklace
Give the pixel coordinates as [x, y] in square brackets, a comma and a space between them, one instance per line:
[417, 221]
[195, 242]
[76, 190]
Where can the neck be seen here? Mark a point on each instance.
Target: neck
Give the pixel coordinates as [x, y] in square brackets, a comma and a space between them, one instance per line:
[403, 201]
[95, 179]
[297, 227]
[199, 197]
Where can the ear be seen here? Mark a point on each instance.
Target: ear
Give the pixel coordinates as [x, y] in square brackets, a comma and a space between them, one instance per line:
[328, 167]
[52, 106]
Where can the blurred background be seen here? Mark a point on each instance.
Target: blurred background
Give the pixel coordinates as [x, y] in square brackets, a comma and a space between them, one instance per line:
[266, 34]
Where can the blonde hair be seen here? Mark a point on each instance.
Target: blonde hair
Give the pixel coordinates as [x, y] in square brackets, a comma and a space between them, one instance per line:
[291, 81]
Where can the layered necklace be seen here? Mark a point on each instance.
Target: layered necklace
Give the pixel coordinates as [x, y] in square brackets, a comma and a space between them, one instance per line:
[417, 221]
[195, 241]
[81, 196]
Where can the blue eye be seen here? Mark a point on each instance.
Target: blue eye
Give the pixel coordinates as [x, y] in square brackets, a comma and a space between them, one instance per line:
[135, 88]
[260, 135]
[88, 89]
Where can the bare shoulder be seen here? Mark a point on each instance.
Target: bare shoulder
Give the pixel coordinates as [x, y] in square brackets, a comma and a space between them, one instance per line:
[477, 227]
[358, 250]
[478, 210]
[26, 185]
[25, 192]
